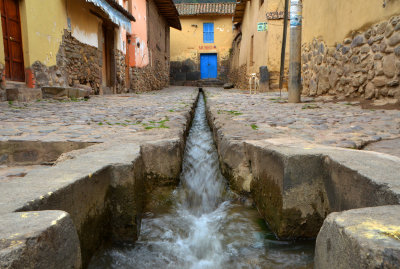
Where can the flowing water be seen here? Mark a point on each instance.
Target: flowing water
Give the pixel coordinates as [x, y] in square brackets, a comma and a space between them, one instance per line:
[205, 227]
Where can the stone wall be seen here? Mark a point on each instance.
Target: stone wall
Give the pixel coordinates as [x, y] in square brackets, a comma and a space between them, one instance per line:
[148, 78]
[187, 70]
[77, 64]
[82, 63]
[155, 75]
[223, 68]
[239, 77]
[48, 76]
[120, 65]
[364, 66]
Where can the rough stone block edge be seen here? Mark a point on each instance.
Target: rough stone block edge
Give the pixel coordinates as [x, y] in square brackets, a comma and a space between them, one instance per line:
[45, 239]
[86, 226]
[236, 175]
[360, 238]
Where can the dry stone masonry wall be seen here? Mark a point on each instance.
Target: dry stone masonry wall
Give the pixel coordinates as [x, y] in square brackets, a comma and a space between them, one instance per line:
[82, 63]
[149, 78]
[77, 64]
[366, 66]
[239, 77]
[120, 72]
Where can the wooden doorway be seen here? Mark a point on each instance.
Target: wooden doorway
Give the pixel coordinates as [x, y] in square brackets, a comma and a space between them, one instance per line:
[12, 38]
[106, 69]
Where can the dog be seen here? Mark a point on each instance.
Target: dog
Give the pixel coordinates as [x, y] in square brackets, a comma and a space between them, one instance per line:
[254, 81]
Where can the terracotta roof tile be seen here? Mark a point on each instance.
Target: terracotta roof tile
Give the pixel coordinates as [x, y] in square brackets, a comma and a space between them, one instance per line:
[206, 8]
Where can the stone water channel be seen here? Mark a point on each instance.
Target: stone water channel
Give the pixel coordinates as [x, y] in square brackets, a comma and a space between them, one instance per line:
[206, 226]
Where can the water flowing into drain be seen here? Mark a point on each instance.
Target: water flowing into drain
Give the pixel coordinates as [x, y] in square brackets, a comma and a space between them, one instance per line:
[204, 228]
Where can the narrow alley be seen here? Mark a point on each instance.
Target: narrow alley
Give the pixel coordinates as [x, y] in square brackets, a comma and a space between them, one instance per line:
[200, 134]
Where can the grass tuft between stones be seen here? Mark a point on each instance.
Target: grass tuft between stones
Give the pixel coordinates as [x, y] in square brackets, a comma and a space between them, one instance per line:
[254, 126]
[232, 112]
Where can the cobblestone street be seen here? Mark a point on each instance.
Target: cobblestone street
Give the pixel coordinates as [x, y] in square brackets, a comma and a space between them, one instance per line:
[342, 124]
[112, 119]
[98, 119]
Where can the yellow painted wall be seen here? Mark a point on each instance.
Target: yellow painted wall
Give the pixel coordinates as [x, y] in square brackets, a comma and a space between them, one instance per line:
[42, 30]
[188, 43]
[334, 20]
[267, 45]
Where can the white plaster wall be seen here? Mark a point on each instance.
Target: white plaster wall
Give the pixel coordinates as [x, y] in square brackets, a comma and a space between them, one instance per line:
[91, 39]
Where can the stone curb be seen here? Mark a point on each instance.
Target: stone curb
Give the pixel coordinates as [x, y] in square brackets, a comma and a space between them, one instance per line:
[100, 186]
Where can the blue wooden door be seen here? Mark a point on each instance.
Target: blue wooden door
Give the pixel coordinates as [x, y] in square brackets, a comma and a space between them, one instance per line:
[208, 65]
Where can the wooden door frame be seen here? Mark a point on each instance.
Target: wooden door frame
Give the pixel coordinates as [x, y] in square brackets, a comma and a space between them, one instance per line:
[8, 41]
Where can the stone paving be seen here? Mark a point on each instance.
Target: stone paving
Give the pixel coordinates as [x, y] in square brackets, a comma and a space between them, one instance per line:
[266, 115]
[98, 119]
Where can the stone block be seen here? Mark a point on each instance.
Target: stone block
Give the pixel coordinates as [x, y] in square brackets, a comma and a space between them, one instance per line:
[388, 65]
[381, 28]
[369, 91]
[389, 30]
[394, 39]
[397, 51]
[379, 81]
[358, 41]
[228, 85]
[360, 238]
[78, 93]
[42, 239]
[23, 94]
[264, 74]
[55, 92]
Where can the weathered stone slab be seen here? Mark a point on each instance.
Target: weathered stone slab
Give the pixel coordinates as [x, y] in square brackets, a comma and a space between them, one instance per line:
[360, 238]
[55, 92]
[23, 94]
[78, 93]
[44, 239]
[295, 186]
[58, 92]
[103, 187]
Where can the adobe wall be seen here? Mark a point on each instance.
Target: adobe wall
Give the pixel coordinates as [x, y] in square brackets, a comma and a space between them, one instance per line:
[267, 44]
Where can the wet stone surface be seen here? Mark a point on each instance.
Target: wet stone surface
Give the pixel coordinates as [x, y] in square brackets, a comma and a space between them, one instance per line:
[266, 116]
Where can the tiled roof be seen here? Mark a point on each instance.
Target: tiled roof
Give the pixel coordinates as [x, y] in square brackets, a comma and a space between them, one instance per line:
[206, 9]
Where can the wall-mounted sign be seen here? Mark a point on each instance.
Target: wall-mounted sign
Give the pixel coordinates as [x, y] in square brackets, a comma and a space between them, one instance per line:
[262, 27]
[207, 47]
[276, 15]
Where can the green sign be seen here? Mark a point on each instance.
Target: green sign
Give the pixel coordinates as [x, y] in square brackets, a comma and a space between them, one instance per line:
[262, 27]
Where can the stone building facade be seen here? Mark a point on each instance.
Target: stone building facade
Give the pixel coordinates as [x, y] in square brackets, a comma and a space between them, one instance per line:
[80, 44]
[149, 44]
[190, 48]
[359, 57]
[257, 42]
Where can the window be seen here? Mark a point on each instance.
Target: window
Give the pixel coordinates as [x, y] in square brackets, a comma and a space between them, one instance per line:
[208, 32]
